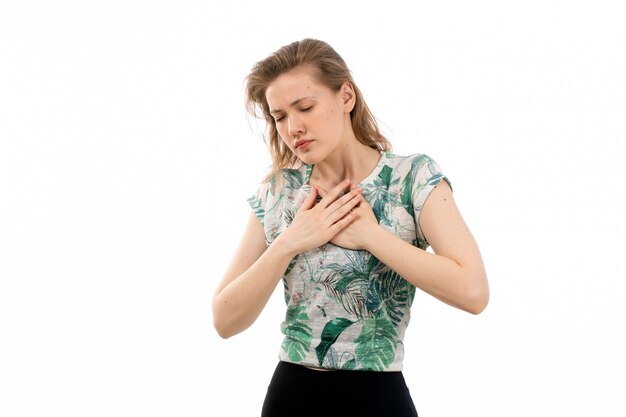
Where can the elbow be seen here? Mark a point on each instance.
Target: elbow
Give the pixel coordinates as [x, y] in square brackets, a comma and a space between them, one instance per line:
[227, 322]
[222, 331]
[226, 330]
[479, 298]
[220, 325]
[478, 307]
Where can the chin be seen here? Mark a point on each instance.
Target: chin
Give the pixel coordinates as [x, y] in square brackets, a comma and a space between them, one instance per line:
[307, 159]
[312, 157]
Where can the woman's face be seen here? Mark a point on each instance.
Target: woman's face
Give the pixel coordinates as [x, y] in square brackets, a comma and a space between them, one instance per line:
[311, 119]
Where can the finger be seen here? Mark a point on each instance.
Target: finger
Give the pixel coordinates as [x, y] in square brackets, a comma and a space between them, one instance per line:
[346, 208]
[344, 199]
[336, 192]
[341, 224]
[309, 201]
[365, 203]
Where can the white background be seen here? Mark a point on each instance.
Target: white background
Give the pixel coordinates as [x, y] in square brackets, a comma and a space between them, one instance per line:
[126, 158]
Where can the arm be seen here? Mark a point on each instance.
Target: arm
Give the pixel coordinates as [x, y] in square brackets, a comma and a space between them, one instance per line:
[256, 268]
[249, 281]
[455, 274]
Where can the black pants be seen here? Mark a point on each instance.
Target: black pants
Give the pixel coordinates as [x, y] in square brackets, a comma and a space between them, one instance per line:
[298, 391]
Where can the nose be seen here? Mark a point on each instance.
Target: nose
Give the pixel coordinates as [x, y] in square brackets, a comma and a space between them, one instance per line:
[295, 126]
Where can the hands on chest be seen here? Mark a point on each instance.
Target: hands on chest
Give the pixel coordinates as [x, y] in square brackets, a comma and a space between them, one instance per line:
[342, 217]
[363, 219]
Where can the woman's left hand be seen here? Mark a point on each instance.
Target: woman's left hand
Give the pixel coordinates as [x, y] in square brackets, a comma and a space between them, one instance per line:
[355, 234]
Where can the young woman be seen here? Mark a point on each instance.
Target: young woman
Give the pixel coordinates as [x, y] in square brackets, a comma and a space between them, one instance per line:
[345, 224]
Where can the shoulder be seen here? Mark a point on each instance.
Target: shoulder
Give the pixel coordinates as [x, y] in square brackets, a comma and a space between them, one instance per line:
[416, 165]
[418, 171]
[283, 180]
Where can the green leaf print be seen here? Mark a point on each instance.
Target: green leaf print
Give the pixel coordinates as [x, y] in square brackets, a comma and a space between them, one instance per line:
[349, 365]
[293, 178]
[289, 214]
[257, 208]
[373, 264]
[376, 345]
[298, 334]
[291, 264]
[332, 360]
[434, 175]
[378, 195]
[286, 291]
[348, 283]
[434, 179]
[418, 162]
[406, 195]
[388, 293]
[385, 176]
[411, 294]
[331, 332]
[362, 264]
[349, 295]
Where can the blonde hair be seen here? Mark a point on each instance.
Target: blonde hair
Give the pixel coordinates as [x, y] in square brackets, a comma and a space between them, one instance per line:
[330, 70]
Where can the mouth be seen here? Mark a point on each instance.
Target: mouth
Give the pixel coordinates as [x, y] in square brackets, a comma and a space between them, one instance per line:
[302, 143]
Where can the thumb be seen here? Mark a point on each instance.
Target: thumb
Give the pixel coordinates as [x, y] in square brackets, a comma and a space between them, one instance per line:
[309, 201]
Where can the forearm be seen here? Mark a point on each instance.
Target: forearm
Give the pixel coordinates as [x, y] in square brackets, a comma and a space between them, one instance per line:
[239, 303]
[437, 275]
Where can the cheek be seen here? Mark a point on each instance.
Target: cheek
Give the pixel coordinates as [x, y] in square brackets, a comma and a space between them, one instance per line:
[328, 118]
[335, 116]
[332, 119]
[282, 132]
[282, 136]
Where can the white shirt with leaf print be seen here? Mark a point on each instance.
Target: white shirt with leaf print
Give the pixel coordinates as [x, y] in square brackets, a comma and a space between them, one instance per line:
[346, 309]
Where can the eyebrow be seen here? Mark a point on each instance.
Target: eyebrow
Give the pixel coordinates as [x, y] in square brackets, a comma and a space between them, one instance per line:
[293, 103]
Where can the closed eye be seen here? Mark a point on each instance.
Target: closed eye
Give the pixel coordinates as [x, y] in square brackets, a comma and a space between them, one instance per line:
[279, 118]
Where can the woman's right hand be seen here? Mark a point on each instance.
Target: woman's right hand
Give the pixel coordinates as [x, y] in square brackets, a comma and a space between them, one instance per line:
[316, 224]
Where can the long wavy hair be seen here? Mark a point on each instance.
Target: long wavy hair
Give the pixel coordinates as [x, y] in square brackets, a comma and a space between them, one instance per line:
[331, 71]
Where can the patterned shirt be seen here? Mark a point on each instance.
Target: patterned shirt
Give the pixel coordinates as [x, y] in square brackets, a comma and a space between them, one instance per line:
[345, 308]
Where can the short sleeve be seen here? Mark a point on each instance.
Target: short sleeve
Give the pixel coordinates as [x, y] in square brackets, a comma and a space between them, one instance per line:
[258, 201]
[427, 174]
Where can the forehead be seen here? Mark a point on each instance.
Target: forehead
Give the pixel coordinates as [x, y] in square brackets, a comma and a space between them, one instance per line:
[291, 86]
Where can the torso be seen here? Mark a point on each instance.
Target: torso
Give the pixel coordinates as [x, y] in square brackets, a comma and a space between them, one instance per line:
[346, 310]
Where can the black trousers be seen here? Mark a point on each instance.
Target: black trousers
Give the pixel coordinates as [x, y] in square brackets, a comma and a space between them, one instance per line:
[299, 391]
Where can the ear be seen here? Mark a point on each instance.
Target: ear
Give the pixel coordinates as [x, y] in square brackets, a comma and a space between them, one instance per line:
[349, 96]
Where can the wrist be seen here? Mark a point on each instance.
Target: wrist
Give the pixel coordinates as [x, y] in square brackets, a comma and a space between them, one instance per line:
[373, 236]
[285, 246]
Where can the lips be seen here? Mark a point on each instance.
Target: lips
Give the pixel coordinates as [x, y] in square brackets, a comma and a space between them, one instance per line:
[302, 142]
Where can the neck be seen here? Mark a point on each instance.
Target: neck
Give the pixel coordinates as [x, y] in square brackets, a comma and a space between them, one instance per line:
[351, 160]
